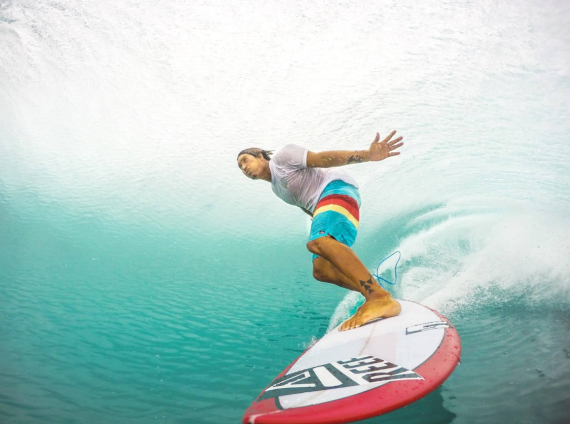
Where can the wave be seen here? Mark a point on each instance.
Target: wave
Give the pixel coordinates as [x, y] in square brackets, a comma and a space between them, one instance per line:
[459, 257]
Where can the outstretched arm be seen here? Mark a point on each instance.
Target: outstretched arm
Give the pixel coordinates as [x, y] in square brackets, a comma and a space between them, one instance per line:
[378, 150]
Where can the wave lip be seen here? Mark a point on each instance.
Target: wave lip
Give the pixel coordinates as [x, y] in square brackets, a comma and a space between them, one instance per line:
[479, 259]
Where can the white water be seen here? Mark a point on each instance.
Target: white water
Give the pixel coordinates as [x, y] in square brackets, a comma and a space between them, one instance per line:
[123, 106]
[465, 258]
[138, 109]
[125, 115]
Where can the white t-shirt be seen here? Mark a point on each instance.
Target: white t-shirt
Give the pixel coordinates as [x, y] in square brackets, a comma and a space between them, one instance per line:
[295, 183]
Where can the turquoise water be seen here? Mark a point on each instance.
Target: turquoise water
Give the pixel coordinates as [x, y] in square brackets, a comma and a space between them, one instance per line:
[144, 279]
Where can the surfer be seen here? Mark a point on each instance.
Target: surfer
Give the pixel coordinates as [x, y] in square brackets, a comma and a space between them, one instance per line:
[313, 182]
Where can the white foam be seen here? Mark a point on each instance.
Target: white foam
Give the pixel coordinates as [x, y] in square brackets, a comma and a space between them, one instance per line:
[342, 311]
[463, 260]
[480, 258]
[310, 343]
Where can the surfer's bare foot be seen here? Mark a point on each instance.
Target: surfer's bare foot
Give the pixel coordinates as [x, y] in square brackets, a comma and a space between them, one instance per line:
[377, 307]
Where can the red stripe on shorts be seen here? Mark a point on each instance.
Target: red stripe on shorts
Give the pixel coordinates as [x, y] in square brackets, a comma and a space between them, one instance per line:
[347, 202]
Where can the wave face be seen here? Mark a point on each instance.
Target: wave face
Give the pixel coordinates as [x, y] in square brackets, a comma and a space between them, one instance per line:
[143, 278]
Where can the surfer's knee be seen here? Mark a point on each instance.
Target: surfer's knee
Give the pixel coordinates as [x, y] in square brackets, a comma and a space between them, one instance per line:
[316, 246]
[313, 246]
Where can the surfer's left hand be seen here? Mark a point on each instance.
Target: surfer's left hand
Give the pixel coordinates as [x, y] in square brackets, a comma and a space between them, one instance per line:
[380, 150]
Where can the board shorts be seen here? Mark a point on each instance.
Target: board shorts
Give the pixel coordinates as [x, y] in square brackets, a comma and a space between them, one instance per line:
[337, 213]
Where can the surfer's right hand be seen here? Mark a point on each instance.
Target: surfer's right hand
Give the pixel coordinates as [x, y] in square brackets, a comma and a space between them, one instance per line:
[380, 150]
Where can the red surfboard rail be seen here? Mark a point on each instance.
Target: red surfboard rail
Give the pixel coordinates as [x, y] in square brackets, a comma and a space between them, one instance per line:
[377, 401]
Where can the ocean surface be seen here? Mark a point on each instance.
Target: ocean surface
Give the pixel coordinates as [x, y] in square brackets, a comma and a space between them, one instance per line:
[144, 279]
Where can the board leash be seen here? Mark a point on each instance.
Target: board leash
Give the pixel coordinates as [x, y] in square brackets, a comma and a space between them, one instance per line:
[380, 279]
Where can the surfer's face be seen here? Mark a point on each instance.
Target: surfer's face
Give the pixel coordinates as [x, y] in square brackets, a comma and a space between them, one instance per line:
[250, 165]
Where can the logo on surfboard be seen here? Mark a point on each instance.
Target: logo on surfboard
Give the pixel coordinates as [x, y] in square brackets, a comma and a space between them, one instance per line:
[351, 372]
[427, 326]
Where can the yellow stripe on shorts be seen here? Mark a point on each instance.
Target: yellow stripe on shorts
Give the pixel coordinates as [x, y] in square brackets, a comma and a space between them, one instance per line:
[339, 209]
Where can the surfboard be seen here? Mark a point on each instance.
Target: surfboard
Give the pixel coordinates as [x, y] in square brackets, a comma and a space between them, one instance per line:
[368, 371]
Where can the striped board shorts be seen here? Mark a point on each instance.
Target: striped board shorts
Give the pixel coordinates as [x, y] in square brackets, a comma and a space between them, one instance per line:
[337, 213]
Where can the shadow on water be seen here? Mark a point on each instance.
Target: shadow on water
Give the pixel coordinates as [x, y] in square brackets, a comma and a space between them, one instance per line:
[429, 410]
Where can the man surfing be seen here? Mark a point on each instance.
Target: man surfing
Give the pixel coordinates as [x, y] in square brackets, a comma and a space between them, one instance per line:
[314, 182]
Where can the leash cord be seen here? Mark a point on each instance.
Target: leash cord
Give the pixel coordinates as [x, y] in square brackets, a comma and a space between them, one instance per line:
[380, 279]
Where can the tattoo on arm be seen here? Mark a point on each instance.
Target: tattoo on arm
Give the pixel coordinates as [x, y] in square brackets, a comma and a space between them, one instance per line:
[355, 159]
[367, 285]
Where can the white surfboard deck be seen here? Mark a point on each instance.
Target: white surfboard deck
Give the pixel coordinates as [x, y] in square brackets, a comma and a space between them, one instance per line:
[341, 377]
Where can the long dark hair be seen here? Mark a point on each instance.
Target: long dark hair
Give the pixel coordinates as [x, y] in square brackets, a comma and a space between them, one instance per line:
[255, 151]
